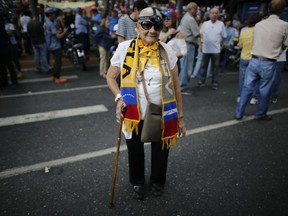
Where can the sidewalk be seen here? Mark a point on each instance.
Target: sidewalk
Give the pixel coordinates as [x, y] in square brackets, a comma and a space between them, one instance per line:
[27, 61]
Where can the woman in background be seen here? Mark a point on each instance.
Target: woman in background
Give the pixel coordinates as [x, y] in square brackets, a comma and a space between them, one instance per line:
[105, 42]
[173, 37]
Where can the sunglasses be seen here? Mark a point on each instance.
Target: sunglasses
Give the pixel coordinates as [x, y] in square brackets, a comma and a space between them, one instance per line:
[146, 25]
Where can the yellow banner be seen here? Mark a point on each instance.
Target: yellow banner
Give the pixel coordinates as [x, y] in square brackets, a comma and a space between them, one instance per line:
[62, 5]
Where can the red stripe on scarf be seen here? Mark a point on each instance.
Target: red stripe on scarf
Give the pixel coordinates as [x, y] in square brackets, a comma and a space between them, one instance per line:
[132, 112]
[171, 128]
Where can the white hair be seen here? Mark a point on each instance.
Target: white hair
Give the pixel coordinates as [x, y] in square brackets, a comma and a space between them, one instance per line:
[149, 12]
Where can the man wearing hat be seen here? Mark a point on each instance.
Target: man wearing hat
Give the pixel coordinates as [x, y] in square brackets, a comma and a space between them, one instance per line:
[53, 36]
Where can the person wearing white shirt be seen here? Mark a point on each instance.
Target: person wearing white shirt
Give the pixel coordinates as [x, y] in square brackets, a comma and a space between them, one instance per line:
[213, 32]
[173, 37]
[24, 20]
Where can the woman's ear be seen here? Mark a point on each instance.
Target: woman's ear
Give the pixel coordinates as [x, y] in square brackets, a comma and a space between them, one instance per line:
[137, 27]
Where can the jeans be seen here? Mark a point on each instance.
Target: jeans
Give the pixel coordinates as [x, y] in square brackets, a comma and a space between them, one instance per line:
[242, 68]
[40, 51]
[198, 64]
[215, 58]
[276, 83]
[187, 63]
[57, 54]
[259, 73]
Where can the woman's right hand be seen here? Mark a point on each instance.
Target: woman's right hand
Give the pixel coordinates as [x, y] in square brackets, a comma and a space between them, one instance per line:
[120, 109]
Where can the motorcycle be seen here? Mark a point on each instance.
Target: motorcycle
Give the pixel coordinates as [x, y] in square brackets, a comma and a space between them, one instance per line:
[233, 55]
[73, 50]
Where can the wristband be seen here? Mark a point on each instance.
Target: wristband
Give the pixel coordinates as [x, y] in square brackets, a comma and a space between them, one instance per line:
[180, 116]
[118, 96]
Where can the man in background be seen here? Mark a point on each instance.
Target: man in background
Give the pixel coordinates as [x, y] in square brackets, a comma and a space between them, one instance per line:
[214, 33]
[270, 38]
[190, 31]
[127, 23]
[53, 36]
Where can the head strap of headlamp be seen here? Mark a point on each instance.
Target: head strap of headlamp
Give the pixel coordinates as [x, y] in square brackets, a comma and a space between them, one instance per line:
[155, 19]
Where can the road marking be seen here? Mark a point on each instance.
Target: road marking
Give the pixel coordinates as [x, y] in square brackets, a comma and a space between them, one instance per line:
[44, 116]
[54, 91]
[45, 79]
[39, 166]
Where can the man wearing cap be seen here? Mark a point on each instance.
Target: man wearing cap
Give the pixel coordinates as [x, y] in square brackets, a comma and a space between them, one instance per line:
[53, 36]
[190, 31]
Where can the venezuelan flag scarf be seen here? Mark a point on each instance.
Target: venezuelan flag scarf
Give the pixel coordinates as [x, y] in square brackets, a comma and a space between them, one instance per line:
[135, 59]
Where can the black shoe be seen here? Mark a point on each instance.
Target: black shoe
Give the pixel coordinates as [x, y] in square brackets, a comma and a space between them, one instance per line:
[157, 190]
[238, 118]
[214, 86]
[138, 192]
[200, 84]
[264, 118]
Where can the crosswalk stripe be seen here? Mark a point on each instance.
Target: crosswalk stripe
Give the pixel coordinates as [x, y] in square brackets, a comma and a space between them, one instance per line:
[44, 116]
[54, 91]
[45, 79]
[72, 159]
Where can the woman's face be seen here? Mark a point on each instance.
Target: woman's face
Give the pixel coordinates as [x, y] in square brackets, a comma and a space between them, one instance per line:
[148, 31]
[168, 22]
[228, 23]
[107, 23]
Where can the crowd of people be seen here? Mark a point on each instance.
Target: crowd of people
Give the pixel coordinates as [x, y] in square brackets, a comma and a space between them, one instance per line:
[42, 34]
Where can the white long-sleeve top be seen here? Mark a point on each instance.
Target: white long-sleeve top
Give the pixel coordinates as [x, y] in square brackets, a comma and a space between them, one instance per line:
[178, 45]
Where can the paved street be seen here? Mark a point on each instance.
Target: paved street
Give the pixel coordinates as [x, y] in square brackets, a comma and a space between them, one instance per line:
[58, 147]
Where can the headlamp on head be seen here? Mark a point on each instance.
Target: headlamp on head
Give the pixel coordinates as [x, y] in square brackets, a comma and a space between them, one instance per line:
[148, 21]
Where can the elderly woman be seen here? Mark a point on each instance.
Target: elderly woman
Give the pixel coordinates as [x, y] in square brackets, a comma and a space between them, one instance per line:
[145, 64]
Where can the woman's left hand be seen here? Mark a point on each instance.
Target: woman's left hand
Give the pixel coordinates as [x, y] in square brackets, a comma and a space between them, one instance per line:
[181, 127]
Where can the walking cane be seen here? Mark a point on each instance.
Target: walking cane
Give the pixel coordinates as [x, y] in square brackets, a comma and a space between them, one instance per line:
[116, 164]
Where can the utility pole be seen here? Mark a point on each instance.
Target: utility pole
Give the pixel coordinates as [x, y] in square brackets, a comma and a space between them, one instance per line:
[179, 9]
[33, 6]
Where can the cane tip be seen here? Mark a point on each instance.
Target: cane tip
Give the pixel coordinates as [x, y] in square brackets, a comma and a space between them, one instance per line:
[111, 205]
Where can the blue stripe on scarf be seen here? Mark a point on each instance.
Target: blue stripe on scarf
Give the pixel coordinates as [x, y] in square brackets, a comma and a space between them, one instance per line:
[170, 111]
[129, 95]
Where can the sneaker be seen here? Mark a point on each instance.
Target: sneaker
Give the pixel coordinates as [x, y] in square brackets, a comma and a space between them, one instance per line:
[238, 118]
[264, 118]
[157, 190]
[19, 74]
[59, 80]
[274, 100]
[238, 99]
[253, 101]
[200, 84]
[138, 192]
[214, 86]
[186, 92]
